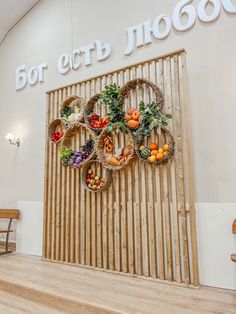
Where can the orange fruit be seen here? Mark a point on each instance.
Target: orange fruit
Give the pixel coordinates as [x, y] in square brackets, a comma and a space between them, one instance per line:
[160, 150]
[165, 154]
[127, 117]
[130, 111]
[133, 124]
[166, 147]
[154, 152]
[153, 146]
[159, 156]
[135, 115]
[152, 158]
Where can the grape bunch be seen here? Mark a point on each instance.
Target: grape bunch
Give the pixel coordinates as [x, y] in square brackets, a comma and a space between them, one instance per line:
[79, 157]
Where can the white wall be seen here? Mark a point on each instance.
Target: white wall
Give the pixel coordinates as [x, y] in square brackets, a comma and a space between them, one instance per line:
[50, 30]
[216, 243]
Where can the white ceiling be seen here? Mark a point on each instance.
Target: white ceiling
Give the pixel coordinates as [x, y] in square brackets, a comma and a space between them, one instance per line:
[11, 11]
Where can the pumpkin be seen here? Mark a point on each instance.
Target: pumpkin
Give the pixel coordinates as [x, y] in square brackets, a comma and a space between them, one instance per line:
[133, 124]
[135, 115]
[127, 117]
[130, 111]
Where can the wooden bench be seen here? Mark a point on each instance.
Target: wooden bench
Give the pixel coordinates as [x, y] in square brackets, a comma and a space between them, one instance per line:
[8, 214]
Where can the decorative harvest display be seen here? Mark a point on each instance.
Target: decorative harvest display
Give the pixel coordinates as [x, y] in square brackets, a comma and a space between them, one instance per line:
[132, 118]
[55, 131]
[111, 158]
[150, 117]
[92, 177]
[93, 181]
[113, 151]
[57, 136]
[155, 153]
[96, 122]
[72, 109]
[73, 158]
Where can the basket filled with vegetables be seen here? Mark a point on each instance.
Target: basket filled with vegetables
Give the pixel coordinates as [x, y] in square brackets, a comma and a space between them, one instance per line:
[71, 156]
[55, 131]
[96, 121]
[72, 109]
[95, 178]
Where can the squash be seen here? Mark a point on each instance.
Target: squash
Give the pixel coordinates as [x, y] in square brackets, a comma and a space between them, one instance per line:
[145, 153]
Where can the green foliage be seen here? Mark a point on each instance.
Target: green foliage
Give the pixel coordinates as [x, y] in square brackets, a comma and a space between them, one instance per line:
[151, 117]
[66, 112]
[67, 156]
[118, 127]
[110, 96]
[65, 152]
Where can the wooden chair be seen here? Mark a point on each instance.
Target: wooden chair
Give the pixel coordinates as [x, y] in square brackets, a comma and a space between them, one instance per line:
[8, 214]
[233, 256]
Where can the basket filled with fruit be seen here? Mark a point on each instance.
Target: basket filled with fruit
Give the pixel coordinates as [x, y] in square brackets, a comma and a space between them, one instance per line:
[93, 178]
[157, 153]
[95, 121]
[72, 109]
[55, 131]
[115, 150]
[71, 156]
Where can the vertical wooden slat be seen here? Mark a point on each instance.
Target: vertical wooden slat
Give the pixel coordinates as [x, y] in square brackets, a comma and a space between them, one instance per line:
[159, 202]
[46, 180]
[180, 184]
[188, 152]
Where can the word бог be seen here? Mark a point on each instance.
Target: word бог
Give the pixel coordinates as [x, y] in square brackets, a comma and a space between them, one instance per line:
[137, 36]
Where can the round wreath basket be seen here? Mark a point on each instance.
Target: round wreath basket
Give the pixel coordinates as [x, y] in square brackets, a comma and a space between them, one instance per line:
[169, 153]
[68, 139]
[74, 102]
[84, 174]
[89, 109]
[54, 127]
[105, 151]
[139, 82]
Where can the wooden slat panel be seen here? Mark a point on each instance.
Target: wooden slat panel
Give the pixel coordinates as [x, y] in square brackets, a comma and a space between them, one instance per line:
[139, 225]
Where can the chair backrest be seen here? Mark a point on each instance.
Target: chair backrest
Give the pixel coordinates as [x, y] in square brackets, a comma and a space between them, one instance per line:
[9, 213]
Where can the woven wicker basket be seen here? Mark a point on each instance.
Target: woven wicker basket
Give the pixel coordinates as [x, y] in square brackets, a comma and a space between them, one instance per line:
[53, 127]
[68, 137]
[102, 156]
[169, 140]
[89, 109]
[84, 175]
[75, 102]
[133, 84]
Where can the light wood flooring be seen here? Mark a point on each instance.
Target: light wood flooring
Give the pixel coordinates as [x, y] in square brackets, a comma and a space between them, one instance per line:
[29, 285]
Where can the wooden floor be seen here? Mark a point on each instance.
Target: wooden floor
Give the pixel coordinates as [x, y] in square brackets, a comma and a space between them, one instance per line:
[29, 285]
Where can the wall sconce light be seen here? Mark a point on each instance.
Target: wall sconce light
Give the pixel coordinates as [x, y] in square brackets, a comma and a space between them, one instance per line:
[12, 139]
